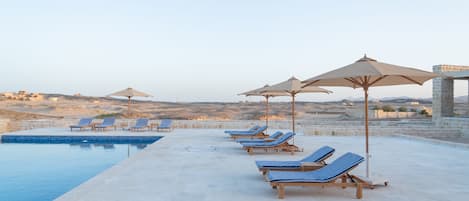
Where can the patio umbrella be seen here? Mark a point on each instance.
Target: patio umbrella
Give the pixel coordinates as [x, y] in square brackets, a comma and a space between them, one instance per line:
[129, 93]
[258, 92]
[365, 73]
[292, 87]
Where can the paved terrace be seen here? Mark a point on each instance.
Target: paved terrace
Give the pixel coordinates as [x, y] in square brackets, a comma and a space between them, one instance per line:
[204, 164]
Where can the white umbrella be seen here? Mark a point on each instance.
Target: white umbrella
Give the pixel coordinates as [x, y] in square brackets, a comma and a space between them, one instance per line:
[292, 87]
[259, 92]
[365, 73]
[129, 93]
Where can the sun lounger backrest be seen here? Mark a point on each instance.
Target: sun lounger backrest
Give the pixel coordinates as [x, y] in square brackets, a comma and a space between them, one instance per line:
[282, 139]
[109, 121]
[276, 135]
[340, 166]
[319, 155]
[254, 128]
[261, 129]
[166, 123]
[85, 121]
[142, 122]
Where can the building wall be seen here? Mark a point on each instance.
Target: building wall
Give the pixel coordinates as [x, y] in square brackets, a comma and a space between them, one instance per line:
[443, 91]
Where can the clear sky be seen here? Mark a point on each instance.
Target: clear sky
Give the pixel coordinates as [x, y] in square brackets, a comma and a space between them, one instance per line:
[213, 50]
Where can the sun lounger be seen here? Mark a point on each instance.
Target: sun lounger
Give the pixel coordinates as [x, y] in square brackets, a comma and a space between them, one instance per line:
[140, 124]
[280, 144]
[268, 139]
[258, 133]
[334, 174]
[107, 123]
[83, 123]
[240, 131]
[165, 125]
[311, 162]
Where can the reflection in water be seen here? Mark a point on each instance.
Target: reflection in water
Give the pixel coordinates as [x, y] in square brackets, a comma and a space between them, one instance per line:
[85, 146]
[32, 172]
[105, 145]
[140, 146]
[108, 146]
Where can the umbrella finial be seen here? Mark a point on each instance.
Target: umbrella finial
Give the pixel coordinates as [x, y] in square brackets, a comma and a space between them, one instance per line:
[365, 58]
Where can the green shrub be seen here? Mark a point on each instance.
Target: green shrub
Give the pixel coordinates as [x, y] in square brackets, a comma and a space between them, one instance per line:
[413, 110]
[388, 108]
[402, 109]
[376, 107]
[423, 112]
[102, 116]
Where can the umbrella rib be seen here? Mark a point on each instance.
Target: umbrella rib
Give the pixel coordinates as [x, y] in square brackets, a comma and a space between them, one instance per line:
[362, 79]
[378, 79]
[410, 79]
[309, 84]
[354, 81]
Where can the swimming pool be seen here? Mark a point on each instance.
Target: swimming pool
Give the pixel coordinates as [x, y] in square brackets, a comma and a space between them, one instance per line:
[44, 171]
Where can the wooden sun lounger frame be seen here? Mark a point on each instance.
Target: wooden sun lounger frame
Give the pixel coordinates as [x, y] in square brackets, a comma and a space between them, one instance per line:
[345, 180]
[285, 147]
[260, 135]
[103, 128]
[81, 127]
[309, 167]
[148, 127]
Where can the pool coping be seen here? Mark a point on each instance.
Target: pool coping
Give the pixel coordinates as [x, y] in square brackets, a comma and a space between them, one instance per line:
[64, 139]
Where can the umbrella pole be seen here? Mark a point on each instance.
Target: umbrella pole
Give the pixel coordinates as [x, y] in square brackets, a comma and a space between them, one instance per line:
[267, 111]
[128, 106]
[293, 112]
[366, 134]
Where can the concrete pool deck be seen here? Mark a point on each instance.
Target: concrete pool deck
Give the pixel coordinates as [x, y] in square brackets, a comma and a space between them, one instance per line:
[204, 164]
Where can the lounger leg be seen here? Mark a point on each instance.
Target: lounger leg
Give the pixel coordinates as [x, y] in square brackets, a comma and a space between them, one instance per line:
[344, 180]
[281, 191]
[359, 190]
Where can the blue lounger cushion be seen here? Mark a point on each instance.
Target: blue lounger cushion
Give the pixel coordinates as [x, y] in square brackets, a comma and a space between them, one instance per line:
[271, 137]
[141, 123]
[317, 156]
[327, 173]
[274, 143]
[250, 133]
[250, 130]
[107, 122]
[83, 123]
[165, 124]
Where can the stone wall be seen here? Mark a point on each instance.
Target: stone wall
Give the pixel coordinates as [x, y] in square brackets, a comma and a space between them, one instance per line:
[417, 127]
[443, 91]
[380, 114]
[4, 125]
[459, 123]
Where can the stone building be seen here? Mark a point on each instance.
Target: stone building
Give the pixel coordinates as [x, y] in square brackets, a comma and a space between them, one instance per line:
[443, 97]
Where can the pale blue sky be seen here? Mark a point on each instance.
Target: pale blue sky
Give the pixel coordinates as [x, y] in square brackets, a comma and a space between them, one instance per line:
[213, 50]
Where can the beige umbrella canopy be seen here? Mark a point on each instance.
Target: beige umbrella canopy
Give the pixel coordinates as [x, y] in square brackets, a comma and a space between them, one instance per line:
[365, 73]
[129, 93]
[292, 87]
[258, 92]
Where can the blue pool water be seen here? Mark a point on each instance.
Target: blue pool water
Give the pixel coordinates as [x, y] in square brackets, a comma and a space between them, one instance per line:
[41, 172]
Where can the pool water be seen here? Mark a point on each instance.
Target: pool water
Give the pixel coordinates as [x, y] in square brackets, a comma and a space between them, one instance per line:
[41, 172]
